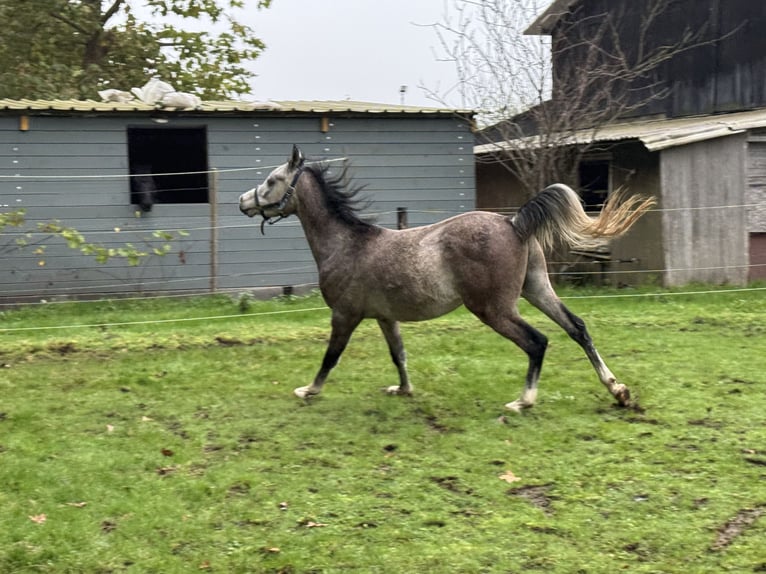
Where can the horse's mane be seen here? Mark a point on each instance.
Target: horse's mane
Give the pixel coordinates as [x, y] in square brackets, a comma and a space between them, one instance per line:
[341, 197]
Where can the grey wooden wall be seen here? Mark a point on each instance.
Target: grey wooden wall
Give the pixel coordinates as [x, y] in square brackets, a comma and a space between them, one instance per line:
[704, 222]
[756, 182]
[421, 162]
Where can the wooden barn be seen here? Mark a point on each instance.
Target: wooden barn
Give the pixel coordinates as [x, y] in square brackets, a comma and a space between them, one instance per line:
[700, 149]
[130, 174]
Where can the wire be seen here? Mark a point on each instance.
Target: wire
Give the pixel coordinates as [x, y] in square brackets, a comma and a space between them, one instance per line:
[296, 223]
[159, 321]
[325, 308]
[639, 271]
[506, 210]
[98, 290]
[141, 284]
[311, 267]
[666, 294]
[19, 176]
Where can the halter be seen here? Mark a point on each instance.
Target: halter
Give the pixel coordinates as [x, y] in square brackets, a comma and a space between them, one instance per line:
[278, 205]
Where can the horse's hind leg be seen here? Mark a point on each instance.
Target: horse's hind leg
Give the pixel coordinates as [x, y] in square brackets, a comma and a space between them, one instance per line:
[511, 326]
[342, 328]
[575, 328]
[398, 356]
[539, 292]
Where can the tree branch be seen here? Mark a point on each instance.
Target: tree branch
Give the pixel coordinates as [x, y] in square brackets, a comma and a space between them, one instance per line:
[70, 23]
[113, 9]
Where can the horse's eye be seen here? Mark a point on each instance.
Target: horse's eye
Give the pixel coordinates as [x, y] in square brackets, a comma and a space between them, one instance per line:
[271, 181]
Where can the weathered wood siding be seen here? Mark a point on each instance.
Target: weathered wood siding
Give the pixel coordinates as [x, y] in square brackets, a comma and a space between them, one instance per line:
[756, 204]
[704, 220]
[756, 183]
[423, 163]
[722, 71]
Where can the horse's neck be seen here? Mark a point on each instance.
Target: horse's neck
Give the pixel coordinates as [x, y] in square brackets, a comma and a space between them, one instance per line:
[325, 233]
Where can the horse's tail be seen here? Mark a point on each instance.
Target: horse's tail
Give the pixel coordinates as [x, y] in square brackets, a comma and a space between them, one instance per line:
[557, 214]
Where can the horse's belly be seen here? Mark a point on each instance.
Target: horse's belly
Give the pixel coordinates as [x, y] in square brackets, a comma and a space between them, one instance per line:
[413, 303]
[425, 312]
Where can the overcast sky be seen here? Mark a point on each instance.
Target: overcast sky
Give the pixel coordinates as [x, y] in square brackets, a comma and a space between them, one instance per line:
[361, 50]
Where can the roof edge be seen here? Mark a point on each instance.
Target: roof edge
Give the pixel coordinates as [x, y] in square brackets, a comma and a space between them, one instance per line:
[545, 22]
[209, 107]
[654, 134]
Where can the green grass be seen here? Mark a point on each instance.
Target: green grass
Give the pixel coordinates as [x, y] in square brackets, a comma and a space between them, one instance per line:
[178, 446]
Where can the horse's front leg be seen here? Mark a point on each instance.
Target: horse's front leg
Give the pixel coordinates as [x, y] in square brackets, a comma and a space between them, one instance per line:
[342, 328]
[398, 356]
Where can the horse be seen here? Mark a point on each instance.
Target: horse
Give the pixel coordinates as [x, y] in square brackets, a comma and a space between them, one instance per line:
[485, 261]
[143, 188]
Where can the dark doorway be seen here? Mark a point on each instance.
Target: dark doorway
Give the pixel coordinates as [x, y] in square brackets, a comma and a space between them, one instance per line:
[180, 153]
[594, 183]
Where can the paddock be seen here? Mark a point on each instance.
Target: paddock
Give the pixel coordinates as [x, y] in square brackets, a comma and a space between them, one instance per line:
[191, 453]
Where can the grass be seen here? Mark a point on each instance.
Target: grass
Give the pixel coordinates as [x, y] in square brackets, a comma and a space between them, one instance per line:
[178, 447]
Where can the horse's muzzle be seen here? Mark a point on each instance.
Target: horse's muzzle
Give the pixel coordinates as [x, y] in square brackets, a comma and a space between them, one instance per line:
[247, 204]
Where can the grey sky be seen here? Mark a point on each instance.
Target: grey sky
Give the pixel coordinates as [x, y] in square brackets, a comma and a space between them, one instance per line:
[361, 50]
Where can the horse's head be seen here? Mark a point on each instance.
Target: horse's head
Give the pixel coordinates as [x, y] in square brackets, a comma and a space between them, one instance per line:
[274, 197]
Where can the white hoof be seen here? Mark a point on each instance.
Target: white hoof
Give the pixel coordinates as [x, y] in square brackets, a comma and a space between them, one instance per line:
[303, 392]
[526, 401]
[517, 406]
[396, 390]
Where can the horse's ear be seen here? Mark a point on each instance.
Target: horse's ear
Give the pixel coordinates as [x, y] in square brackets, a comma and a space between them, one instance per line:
[296, 160]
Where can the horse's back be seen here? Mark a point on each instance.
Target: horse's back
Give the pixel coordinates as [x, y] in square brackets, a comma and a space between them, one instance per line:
[480, 238]
[423, 272]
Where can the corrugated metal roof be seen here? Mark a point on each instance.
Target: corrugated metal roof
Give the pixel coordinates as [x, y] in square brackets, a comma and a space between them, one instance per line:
[340, 106]
[132, 106]
[296, 106]
[655, 134]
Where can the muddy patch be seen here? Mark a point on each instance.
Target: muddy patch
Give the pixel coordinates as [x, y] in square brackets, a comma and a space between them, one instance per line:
[452, 484]
[536, 494]
[225, 341]
[63, 348]
[735, 527]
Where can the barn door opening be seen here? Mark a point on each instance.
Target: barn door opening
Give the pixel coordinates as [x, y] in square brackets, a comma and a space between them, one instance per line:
[167, 165]
[595, 183]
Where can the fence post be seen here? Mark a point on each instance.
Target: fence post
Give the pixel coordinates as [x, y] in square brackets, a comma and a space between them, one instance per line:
[213, 199]
[401, 218]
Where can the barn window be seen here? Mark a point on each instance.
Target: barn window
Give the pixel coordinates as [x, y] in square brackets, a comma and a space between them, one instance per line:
[594, 183]
[181, 153]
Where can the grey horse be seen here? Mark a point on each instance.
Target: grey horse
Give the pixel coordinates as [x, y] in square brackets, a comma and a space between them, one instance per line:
[482, 260]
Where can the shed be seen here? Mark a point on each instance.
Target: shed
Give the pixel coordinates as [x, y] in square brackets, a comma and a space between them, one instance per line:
[708, 174]
[688, 129]
[88, 165]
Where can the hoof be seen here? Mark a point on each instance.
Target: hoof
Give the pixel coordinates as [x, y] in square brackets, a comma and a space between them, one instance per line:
[397, 390]
[517, 406]
[622, 394]
[304, 392]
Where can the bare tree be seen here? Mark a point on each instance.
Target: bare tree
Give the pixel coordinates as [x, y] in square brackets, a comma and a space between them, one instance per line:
[609, 62]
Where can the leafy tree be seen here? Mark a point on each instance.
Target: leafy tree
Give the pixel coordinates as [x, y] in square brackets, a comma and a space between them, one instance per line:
[73, 48]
